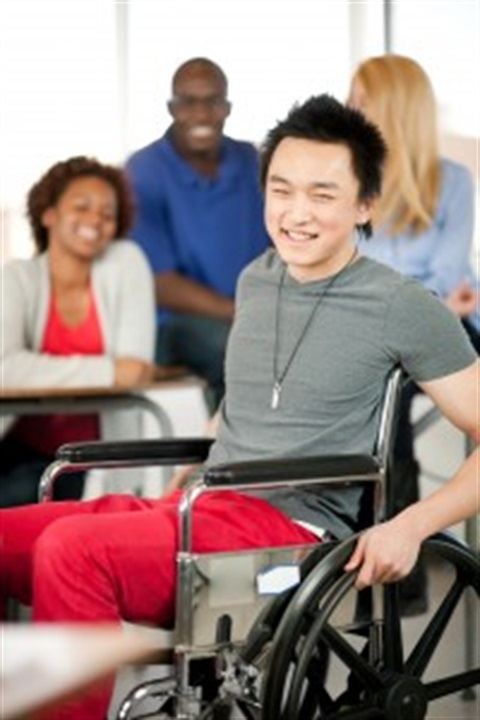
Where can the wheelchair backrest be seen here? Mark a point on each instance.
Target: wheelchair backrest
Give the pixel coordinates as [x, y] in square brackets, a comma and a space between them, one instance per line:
[386, 433]
[389, 416]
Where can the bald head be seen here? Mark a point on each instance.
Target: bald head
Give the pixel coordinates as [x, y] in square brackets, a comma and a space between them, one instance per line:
[199, 67]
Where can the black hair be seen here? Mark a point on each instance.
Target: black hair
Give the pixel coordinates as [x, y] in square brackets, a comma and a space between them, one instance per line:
[325, 119]
[46, 192]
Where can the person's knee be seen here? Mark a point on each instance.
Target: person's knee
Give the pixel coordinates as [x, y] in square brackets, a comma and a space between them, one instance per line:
[62, 549]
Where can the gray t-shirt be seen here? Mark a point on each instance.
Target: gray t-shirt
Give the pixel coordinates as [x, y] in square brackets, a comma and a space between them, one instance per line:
[369, 320]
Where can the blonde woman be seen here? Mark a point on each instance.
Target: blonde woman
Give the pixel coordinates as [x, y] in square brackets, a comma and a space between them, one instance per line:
[424, 219]
[425, 215]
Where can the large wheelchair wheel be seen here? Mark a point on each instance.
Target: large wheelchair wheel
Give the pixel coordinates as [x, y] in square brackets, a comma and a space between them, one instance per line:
[372, 674]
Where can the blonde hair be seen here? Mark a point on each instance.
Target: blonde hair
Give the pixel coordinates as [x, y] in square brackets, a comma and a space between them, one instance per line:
[400, 100]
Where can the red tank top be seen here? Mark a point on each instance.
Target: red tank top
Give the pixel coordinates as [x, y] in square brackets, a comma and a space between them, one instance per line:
[47, 434]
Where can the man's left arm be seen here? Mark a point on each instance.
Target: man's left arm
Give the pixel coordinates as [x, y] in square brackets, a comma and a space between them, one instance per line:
[388, 551]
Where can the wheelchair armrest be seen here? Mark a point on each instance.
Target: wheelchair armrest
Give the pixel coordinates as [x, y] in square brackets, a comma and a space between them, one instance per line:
[178, 451]
[291, 469]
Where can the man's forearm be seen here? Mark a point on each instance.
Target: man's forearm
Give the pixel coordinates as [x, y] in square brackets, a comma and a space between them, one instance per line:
[455, 501]
[179, 293]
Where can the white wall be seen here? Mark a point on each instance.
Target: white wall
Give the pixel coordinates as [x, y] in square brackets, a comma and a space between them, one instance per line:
[274, 53]
[93, 76]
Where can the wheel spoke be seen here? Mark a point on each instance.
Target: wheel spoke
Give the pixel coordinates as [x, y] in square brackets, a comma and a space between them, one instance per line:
[428, 642]
[321, 633]
[352, 658]
[452, 684]
[357, 713]
[392, 629]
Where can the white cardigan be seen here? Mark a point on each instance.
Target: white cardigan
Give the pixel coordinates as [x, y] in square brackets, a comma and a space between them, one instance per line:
[122, 284]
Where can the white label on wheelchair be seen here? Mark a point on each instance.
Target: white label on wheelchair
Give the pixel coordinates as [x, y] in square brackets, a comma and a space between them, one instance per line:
[275, 580]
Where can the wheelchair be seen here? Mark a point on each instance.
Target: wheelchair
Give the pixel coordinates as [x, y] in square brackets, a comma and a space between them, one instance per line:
[282, 633]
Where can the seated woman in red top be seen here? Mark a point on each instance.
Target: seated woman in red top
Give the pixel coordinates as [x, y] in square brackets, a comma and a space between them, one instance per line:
[70, 314]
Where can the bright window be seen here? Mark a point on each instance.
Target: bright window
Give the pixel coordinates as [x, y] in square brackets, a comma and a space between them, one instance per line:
[274, 53]
[58, 96]
[444, 36]
[93, 76]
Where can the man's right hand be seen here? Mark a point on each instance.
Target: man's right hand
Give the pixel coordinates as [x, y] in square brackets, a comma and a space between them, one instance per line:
[463, 300]
[130, 372]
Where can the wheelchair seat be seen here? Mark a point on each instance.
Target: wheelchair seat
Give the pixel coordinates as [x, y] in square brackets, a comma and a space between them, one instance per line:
[282, 633]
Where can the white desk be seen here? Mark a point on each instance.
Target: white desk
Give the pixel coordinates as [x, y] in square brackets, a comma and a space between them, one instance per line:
[45, 401]
[172, 406]
[41, 665]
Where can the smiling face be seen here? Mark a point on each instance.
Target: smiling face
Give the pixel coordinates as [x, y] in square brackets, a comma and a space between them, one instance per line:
[199, 109]
[84, 220]
[312, 206]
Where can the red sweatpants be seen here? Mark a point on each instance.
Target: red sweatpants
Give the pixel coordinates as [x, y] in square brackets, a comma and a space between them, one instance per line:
[114, 558]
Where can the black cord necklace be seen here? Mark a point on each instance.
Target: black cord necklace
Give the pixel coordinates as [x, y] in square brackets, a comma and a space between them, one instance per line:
[278, 378]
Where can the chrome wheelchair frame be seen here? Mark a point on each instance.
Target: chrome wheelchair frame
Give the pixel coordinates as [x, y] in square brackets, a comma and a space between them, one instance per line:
[307, 625]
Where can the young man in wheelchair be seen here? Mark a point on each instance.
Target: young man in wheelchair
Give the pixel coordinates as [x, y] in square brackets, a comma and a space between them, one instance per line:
[316, 332]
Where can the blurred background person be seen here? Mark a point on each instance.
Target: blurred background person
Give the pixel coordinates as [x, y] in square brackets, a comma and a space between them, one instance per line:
[425, 217]
[199, 220]
[69, 317]
[423, 227]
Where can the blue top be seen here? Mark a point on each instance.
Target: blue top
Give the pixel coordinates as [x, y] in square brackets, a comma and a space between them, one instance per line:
[205, 228]
[438, 257]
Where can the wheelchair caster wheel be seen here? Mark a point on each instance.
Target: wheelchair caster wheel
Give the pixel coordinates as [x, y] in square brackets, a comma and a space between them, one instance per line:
[157, 693]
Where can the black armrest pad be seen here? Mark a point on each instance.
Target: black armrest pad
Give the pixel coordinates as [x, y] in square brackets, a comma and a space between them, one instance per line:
[324, 466]
[178, 451]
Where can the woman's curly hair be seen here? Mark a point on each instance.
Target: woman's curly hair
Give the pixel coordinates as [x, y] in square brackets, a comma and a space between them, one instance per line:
[46, 192]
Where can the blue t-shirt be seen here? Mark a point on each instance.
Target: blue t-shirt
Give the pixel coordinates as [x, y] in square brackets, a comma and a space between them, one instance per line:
[208, 229]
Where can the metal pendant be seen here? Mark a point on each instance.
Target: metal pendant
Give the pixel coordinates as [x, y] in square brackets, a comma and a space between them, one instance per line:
[277, 389]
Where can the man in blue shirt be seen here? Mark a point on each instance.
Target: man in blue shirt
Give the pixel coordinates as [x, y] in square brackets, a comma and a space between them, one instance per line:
[199, 220]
